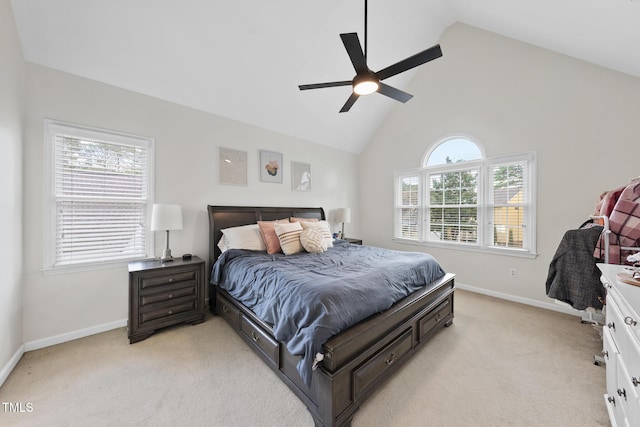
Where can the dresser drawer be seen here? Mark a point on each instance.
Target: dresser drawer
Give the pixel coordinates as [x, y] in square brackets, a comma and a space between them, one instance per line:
[614, 323]
[170, 295]
[152, 281]
[627, 393]
[610, 353]
[262, 340]
[433, 319]
[374, 368]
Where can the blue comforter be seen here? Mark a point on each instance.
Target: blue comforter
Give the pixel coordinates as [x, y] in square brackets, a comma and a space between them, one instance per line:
[308, 298]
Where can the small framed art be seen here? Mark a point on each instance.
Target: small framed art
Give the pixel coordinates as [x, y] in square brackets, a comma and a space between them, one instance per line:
[233, 166]
[300, 176]
[270, 166]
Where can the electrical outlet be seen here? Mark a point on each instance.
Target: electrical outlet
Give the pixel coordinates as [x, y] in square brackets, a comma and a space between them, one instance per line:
[513, 272]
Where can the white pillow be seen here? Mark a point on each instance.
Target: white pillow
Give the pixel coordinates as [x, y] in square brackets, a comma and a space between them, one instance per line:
[323, 227]
[244, 237]
[223, 244]
[313, 241]
[289, 236]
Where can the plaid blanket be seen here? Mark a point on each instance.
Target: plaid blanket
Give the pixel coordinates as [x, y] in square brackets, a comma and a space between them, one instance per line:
[624, 223]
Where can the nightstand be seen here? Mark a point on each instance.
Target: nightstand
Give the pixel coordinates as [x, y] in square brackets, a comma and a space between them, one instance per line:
[163, 294]
[353, 241]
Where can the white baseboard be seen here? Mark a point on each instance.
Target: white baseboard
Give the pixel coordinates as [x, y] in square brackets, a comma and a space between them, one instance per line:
[6, 370]
[73, 335]
[562, 308]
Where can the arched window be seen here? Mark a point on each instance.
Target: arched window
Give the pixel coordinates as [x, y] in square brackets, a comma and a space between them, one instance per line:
[453, 149]
[459, 197]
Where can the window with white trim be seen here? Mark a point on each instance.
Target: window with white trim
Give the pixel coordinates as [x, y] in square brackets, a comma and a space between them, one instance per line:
[100, 195]
[459, 198]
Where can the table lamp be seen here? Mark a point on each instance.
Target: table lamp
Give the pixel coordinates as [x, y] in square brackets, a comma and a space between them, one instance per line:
[166, 217]
[343, 215]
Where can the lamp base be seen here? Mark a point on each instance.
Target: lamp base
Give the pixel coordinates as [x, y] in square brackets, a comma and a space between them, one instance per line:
[166, 256]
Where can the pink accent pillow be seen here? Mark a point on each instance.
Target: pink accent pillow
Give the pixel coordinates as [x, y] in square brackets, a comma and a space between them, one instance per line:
[268, 232]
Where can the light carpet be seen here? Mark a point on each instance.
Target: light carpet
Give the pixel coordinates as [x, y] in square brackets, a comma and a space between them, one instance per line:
[499, 364]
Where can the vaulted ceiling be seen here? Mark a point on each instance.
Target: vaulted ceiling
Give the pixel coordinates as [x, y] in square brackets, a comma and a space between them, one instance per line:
[245, 59]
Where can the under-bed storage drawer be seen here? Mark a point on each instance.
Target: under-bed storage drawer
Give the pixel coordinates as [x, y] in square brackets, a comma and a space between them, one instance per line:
[261, 339]
[227, 310]
[429, 322]
[374, 368]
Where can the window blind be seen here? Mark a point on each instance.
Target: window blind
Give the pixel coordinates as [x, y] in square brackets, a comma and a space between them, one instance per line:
[509, 204]
[101, 198]
[407, 219]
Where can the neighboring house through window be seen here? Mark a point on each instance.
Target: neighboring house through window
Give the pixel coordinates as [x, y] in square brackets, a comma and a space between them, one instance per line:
[459, 198]
[99, 196]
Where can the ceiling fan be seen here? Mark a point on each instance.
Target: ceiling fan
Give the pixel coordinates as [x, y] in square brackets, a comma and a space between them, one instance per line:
[366, 81]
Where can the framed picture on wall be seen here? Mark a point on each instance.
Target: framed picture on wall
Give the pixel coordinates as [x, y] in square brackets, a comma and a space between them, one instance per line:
[270, 166]
[300, 176]
[233, 166]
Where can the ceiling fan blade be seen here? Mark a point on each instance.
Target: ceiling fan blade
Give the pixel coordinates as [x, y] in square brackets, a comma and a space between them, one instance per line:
[328, 84]
[347, 105]
[410, 62]
[394, 93]
[354, 49]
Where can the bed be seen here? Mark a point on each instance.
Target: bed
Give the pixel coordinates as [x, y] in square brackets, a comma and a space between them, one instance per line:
[352, 363]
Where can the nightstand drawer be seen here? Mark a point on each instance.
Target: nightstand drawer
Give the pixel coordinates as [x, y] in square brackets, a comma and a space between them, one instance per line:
[167, 279]
[160, 313]
[146, 299]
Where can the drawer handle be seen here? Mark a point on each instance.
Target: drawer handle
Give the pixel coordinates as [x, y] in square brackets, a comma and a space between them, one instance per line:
[607, 286]
[630, 321]
[635, 381]
[170, 311]
[438, 317]
[605, 353]
[254, 336]
[612, 400]
[622, 393]
[170, 295]
[225, 309]
[611, 325]
[170, 279]
[390, 359]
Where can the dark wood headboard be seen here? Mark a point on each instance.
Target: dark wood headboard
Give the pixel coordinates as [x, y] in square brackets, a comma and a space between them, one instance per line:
[221, 217]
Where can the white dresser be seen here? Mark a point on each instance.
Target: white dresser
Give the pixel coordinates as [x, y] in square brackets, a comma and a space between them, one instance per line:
[621, 348]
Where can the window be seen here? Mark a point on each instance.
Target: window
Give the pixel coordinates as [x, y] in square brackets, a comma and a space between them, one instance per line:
[459, 198]
[100, 196]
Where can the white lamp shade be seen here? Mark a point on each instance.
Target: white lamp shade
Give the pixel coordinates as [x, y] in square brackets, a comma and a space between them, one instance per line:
[343, 215]
[166, 217]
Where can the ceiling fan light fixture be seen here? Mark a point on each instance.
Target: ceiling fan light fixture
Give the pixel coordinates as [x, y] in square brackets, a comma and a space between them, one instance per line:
[365, 86]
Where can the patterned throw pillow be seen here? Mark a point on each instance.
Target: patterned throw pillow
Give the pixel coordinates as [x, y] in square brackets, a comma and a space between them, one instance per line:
[289, 237]
[313, 241]
[323, 227]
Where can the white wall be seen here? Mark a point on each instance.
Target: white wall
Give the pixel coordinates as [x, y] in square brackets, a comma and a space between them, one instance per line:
[581, 119]
[186, 173]
[11, 107]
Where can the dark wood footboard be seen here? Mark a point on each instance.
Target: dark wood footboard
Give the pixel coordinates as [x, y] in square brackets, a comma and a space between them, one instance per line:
[356, 361]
